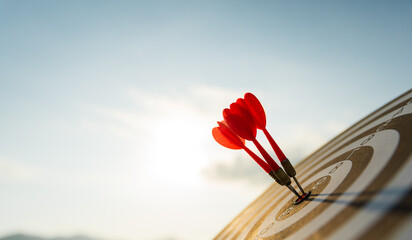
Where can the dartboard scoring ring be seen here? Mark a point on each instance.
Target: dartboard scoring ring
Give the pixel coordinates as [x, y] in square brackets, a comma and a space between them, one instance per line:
[350, 176]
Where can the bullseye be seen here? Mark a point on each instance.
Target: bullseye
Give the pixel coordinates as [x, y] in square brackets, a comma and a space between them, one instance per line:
[302, 198]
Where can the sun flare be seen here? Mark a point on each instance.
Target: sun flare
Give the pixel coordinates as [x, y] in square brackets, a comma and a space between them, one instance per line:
[177, 154]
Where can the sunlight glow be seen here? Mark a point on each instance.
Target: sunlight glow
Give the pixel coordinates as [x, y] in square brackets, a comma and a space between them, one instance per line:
[176, 152]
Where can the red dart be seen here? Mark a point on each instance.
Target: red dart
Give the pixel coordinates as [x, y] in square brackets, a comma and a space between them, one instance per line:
[227, 138]
[258, 113]
[246, 129]
[240, 126]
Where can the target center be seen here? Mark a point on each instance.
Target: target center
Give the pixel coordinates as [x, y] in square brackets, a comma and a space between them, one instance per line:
[315, 188]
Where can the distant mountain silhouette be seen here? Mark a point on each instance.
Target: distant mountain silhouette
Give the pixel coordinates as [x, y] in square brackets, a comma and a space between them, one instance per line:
[27, 237]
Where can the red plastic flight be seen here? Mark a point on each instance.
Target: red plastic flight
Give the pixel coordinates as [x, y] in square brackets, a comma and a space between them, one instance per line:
[258, 113]
[239, 123]
[242, 124]
[227, 138]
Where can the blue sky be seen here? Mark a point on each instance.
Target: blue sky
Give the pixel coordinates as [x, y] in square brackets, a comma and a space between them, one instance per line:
[106, 107]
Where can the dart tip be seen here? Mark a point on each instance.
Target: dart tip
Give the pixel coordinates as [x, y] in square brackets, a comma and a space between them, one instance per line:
[302, 198]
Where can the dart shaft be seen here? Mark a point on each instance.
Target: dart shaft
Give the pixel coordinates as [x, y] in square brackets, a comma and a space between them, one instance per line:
[299, 186]
[258, 160]
[293, 190]
[274, 145]
[266, 156]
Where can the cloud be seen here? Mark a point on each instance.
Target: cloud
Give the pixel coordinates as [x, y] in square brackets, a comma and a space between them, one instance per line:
[203, 99]
[121, 122]
[16, 171]
[167, 129]
[240, 169]
[145, 108]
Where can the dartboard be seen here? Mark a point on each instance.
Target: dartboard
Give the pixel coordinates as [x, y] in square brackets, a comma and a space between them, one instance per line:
[360, 184]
